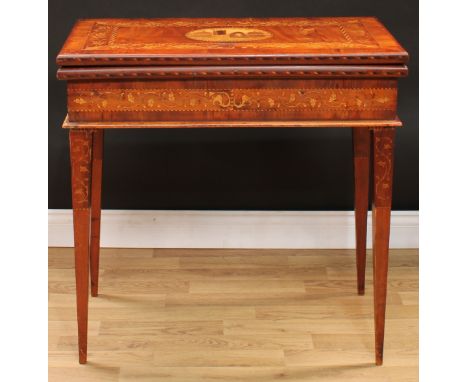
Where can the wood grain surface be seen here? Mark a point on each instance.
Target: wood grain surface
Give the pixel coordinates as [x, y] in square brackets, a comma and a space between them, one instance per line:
[352, 66]
[189, 72]
[232, 315]
[96, 188]
[361, 161]
[239, 100]
[67, 124]
[81, 142]
[118, 42]
[383, 140]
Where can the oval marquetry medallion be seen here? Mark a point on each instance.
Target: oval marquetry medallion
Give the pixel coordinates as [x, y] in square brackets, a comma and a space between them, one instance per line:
[228, 34]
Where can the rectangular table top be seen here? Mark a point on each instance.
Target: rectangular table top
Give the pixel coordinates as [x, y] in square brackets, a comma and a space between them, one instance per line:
[228, 41]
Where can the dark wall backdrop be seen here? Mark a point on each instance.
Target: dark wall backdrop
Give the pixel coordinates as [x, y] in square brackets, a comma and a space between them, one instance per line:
[287, 169]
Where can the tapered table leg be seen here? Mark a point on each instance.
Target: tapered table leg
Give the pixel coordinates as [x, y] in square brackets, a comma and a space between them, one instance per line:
[383, 147]
[96, 185]
[361, 144]
[80, 155]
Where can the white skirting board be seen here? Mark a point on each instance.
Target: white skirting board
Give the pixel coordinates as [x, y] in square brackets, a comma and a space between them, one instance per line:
[232, 229]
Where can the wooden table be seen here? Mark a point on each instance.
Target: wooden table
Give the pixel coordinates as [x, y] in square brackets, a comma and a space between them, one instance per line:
[233, 73]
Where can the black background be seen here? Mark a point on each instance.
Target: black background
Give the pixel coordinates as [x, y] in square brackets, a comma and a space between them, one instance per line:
[258, 169]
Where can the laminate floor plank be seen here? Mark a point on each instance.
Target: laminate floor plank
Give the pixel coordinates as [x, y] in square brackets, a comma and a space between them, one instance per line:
[235, 315]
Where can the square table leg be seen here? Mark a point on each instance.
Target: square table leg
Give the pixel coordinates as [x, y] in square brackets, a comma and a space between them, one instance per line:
[361, 144]
[80, 157]
[96, 185]
[86, 197]
[383, 147]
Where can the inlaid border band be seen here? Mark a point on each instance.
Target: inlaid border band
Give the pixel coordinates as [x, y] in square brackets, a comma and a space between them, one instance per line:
[246, 99]
[305, 71]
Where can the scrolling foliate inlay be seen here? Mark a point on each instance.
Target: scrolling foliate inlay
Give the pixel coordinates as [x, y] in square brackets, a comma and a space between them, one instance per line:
[249, 99]
[80, 154]
[160, 34]
[383, 166]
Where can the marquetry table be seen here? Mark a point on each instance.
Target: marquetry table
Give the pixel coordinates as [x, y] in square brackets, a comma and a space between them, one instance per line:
[233, 73]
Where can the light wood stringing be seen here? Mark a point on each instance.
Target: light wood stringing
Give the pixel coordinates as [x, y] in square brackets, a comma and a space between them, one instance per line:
[240, 100]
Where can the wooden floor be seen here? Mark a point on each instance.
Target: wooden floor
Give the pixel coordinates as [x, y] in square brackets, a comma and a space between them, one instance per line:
[232, 315]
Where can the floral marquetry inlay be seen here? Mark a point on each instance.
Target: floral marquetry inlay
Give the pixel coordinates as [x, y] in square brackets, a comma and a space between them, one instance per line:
[230, 41]
[80, 155]
[160, 34]
[383, 166]
[231, 99]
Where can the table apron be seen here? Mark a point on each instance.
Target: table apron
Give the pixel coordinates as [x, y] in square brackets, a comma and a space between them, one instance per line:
[224, 100]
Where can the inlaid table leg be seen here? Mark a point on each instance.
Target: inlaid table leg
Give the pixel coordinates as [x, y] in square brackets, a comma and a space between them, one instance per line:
[383, 144]
[80, 155]
[96, 184]
[361, 144]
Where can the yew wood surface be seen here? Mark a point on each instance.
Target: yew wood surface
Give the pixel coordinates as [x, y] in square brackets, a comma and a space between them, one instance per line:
[201, 73]
[96, 188]
[80, 155]
[195, 315]
[362, 160]
[117, 42]
[67, 124]
[86, 153]
[383, 140]
[240, 71]
[279, 69]
[234, 100]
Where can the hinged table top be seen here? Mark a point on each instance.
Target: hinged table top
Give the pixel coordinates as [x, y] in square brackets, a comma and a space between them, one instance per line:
[272, 41]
